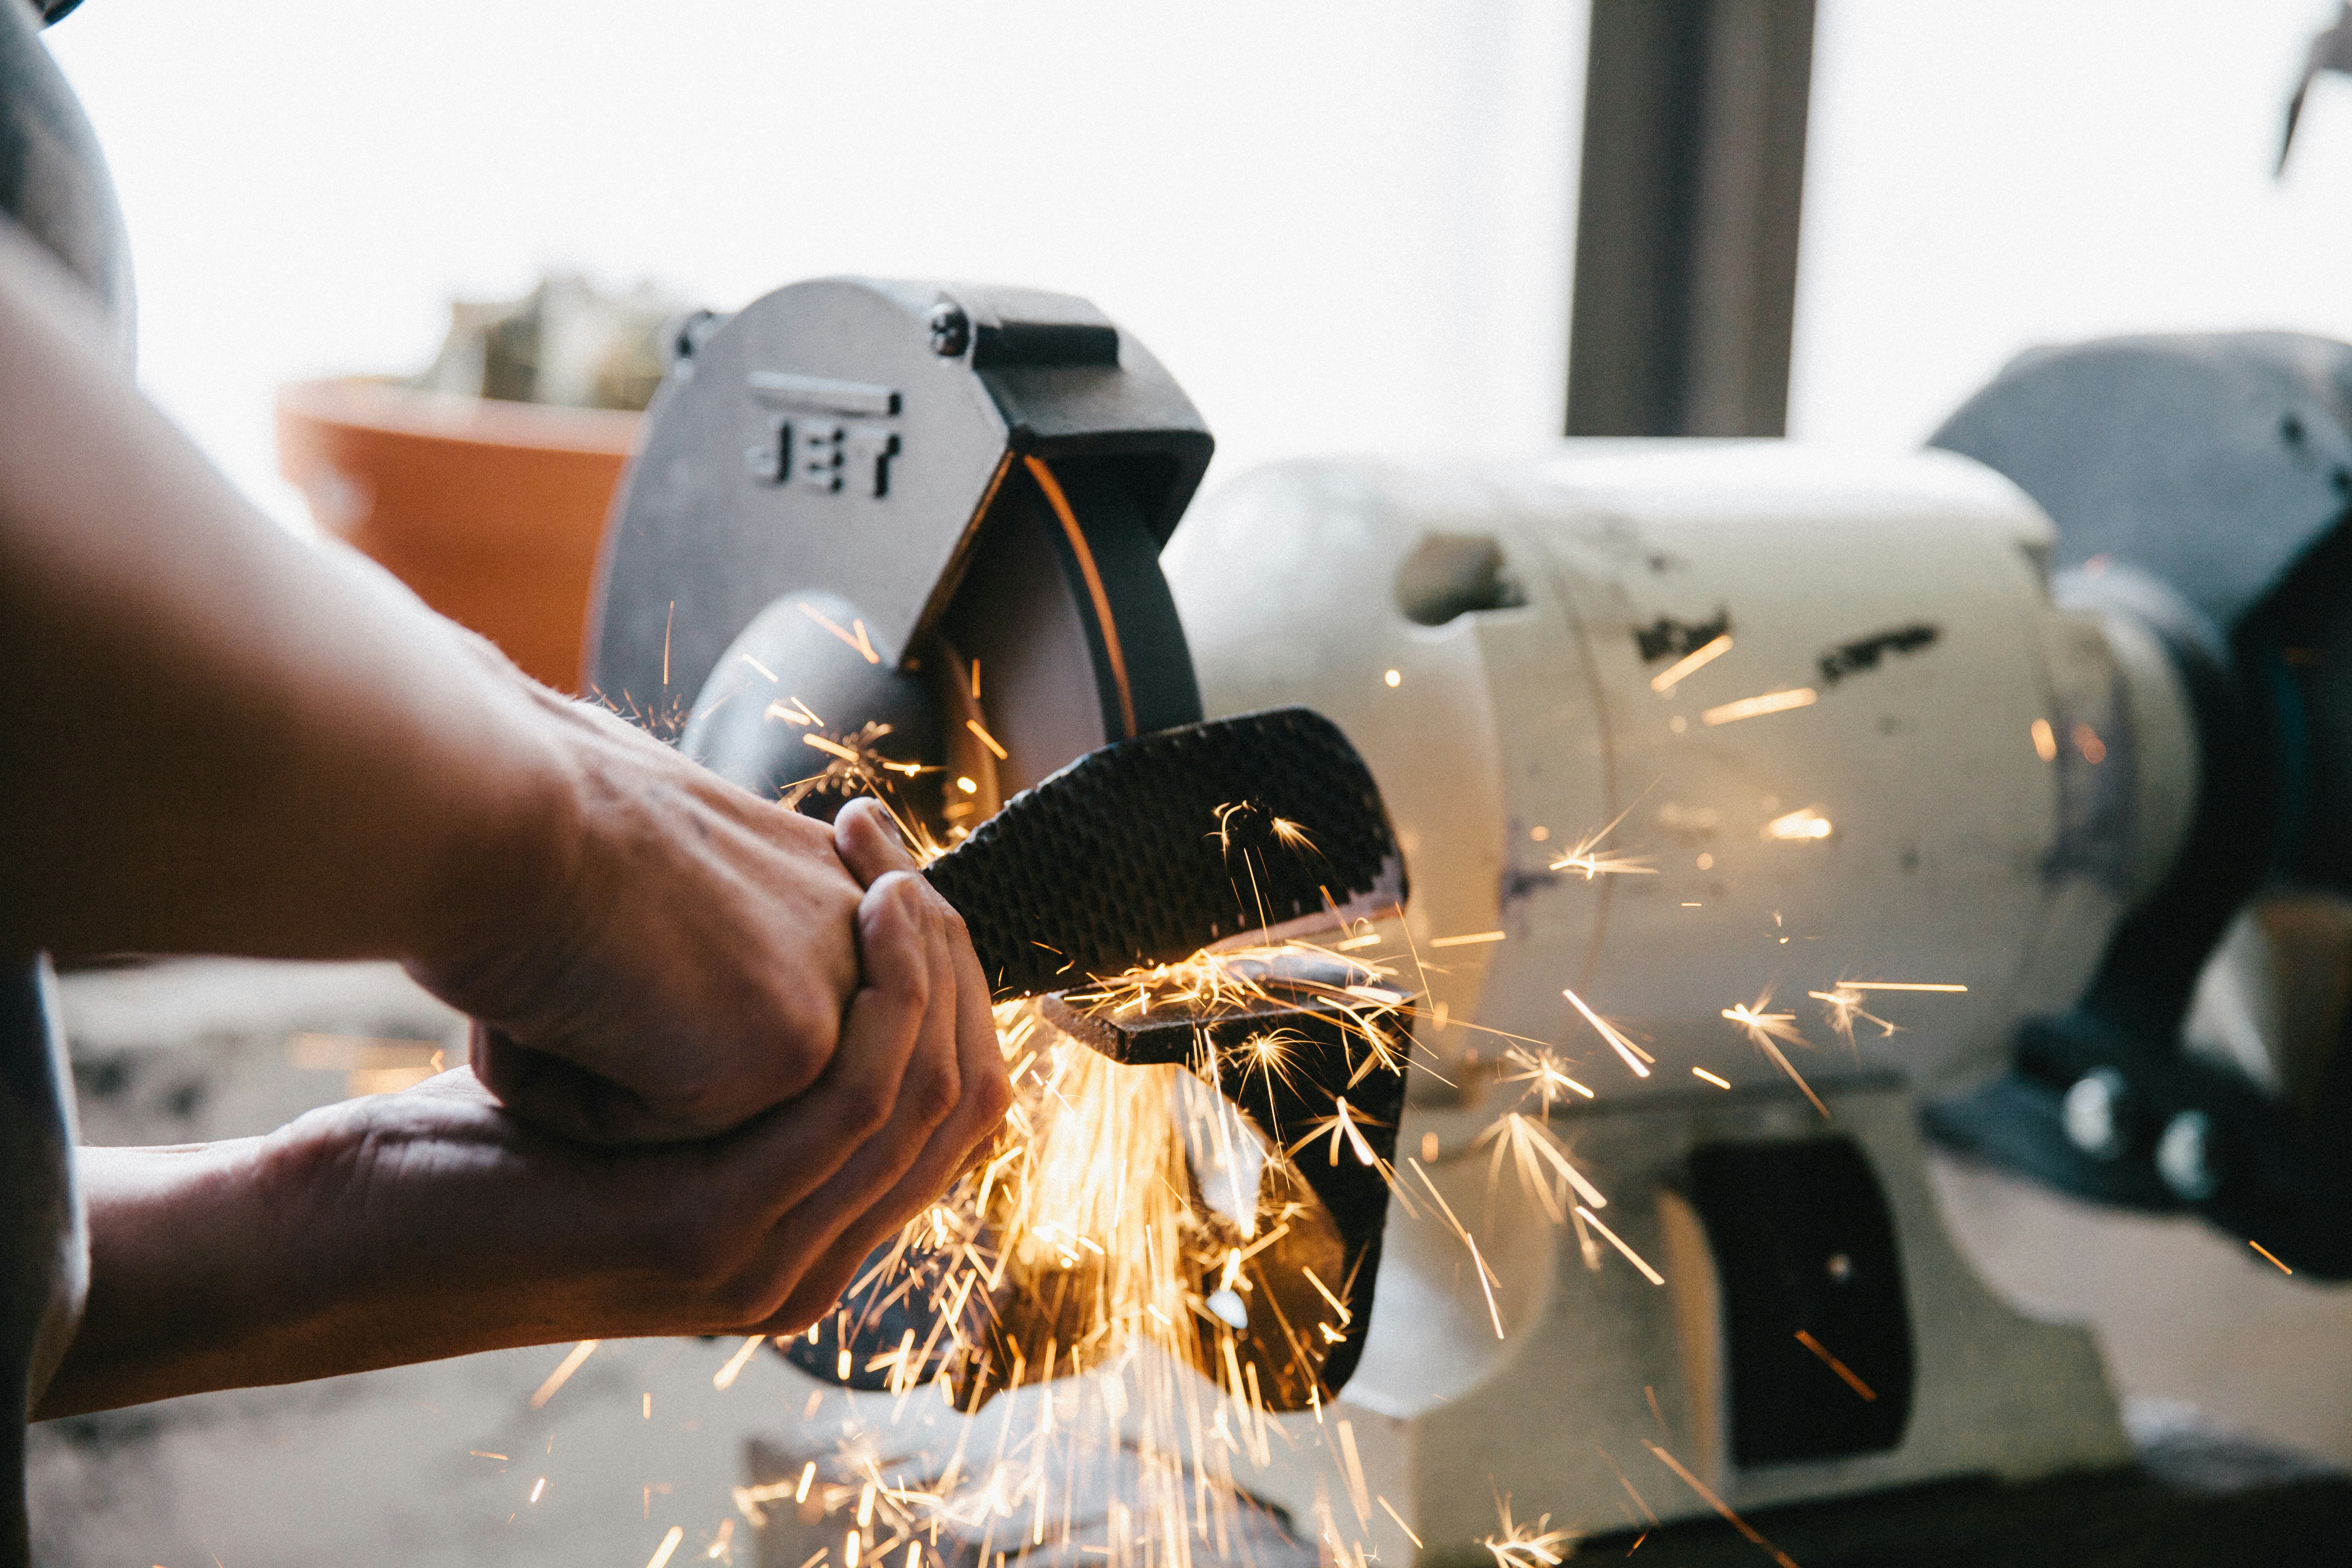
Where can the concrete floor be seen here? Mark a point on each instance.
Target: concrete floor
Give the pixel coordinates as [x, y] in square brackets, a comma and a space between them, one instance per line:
[438, 1465]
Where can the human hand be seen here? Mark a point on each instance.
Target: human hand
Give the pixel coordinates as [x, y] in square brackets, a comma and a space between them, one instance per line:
[677, 958]
[437, 1222]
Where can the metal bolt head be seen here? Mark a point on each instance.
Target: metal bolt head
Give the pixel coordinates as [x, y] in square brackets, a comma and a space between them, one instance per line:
[951, 329]
[2093, 1113]
[2185, 1157]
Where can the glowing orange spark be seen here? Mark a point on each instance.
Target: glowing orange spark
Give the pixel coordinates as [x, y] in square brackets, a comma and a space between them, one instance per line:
[986, 739]
[1763, 1029]
[1635, 1056]
[555, 1379]
[1757, 707]
[1719, 1506]
[669, 1544]
[857, 640]
[1632, 1257]
[1843, 1006]
[1473, 939]
[834, 747]
[1543, 1072]
[2266, 1252]
[1666, 680]
[1526, 1545]
[1703, 1074]
[1835, 1365]
[725, 1377]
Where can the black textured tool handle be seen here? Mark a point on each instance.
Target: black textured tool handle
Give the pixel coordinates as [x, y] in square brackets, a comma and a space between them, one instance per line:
[1151, 850]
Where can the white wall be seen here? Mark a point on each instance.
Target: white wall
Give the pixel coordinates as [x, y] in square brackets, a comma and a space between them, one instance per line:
[1988, 175]
[1343, 225]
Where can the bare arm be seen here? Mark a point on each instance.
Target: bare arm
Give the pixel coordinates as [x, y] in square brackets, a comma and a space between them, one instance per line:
[433, 1223]
[222, 740]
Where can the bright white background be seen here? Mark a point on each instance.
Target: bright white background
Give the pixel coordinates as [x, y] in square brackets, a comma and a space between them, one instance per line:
[1985, 175]
[1344, 224]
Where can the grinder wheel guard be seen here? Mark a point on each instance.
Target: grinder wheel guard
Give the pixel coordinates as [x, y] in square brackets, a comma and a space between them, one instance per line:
[903, 537]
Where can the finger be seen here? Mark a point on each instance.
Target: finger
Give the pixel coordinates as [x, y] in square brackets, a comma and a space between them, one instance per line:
[985, 1092]
[902, 1168]
[868, 841]
[808, 1143]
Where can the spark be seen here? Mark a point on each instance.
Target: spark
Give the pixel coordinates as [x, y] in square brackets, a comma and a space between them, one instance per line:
[2086, 741]
[1701, 1073]
[1666, 680]
[2266, 1252]
[671, 620]
[484, 1453]
[1632, 1257]
[1543, 1072]
[966, 784]
[987, 740]
[1719, 1506]
[2045, 740]
[1340, 1124]
[1896, 985]
[1533, 1149]
[834, 747]
[762, 668]
[1528, 1545]
[1401, 1523]
[857, 640]
[724, 1378]
[1843, 1006]
[1486, 1275]
[556, 1379]
[1798, 826]
[1835, 1365]
[1756, 707]
[1473, 939]
[669, 1544]
[1584, 856]
[720, 1549]
[538, 1489]
[1394, 678]
[1635, 1056]
[1763, 1029]
[1355, 943]
[792, 711]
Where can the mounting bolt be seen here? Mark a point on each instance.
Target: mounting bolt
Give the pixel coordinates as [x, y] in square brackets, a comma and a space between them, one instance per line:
[2093, 1113]
[2184, 1157]
[951, 329]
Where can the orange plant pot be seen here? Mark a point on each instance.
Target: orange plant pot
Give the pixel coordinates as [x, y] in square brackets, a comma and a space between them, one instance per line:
[492, 512]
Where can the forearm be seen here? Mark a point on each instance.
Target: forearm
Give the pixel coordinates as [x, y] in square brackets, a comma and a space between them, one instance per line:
[267, 1260]
[221, 739]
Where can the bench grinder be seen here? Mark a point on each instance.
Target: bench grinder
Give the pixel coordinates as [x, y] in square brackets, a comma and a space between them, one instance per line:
[1800, 769]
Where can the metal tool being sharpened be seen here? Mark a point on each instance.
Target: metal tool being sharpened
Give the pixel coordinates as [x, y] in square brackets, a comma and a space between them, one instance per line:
[1763, 807]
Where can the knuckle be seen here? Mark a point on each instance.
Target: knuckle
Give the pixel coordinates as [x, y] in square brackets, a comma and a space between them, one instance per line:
[993, 1098]
[934, 1097]
[862, 1107]
[749, 1296]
